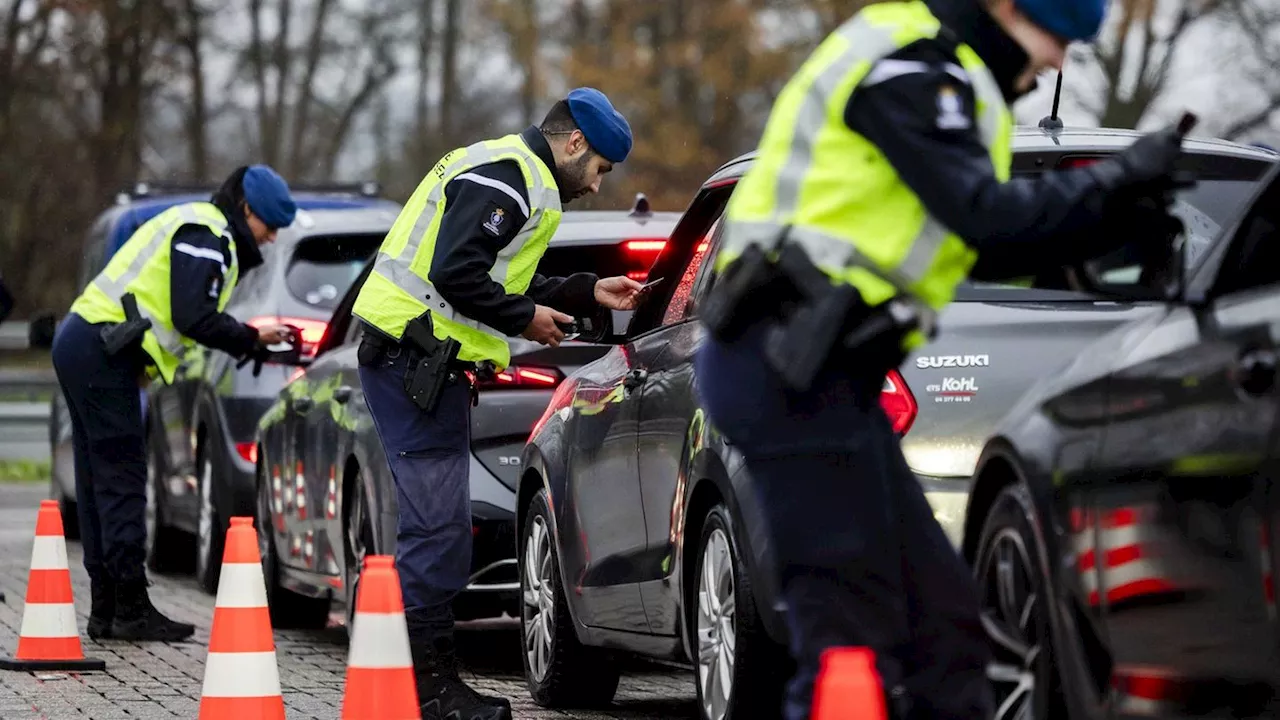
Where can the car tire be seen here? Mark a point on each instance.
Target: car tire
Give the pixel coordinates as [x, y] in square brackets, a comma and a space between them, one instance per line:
[289, 610]
[167, 549]
[358, 543]
[757, 664]
[1011, 588]
[562, 672]
[210, 528]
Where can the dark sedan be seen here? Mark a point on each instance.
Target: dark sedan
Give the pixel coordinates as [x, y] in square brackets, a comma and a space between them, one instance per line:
[325, 493]
[1123, 518]
[635, 533]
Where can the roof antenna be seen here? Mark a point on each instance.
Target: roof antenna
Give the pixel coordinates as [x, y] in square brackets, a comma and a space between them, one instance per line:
[641, 206]
[1053, 122]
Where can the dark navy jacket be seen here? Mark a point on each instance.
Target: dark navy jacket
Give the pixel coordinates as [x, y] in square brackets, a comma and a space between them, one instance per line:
[198, 263]
[467, 246]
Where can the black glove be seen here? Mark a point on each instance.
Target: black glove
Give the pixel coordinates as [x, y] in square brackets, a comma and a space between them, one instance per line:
[1144, 170]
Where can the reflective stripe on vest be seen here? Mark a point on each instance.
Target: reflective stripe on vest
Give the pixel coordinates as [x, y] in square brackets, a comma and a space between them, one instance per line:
[854, 56]
[149, 245]
[404, 260]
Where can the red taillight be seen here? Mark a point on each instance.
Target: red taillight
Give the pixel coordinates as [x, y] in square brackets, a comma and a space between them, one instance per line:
[531, 378]
[898, 402]
[638, 275]
[248, 451]
[1075, 162]
[312, 330]
[641, 255]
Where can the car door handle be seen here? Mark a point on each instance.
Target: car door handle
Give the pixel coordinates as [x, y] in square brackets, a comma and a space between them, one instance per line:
[342, 394]
[1256, 371]
[635, 379]
[302, 404]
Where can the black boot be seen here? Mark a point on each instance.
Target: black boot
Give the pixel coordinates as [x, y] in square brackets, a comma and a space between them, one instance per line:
[138, 619]
[443, 695]
[102, 612]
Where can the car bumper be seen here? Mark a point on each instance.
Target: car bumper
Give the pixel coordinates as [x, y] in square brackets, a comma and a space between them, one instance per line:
[949, 498]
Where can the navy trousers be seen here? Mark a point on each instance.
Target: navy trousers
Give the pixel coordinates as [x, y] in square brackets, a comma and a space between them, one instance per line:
[429, 455]
[861, 561]
[110, 450]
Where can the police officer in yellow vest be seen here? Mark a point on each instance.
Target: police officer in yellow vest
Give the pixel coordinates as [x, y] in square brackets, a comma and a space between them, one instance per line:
[453, 281]
[882, 181]
[163, 290]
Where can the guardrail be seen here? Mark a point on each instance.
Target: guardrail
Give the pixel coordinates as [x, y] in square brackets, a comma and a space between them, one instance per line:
[13, 335]
[24, 413]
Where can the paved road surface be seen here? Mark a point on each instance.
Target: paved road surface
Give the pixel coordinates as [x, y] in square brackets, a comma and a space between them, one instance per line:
[163, 681]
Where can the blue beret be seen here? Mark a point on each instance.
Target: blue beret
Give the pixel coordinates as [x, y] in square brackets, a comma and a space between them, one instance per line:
[1070, 20]
[268, 196]
[605, 128]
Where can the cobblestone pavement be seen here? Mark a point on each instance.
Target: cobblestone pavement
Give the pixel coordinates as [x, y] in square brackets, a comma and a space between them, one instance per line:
[155, 680]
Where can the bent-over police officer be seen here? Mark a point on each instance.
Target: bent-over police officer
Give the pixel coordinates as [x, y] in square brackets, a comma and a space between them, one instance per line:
[453, 281]
[883, 181]
[163, 291]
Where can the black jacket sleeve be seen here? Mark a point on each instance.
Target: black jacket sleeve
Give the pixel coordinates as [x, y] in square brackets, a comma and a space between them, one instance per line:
[485, 209]
[918, 108]
[6, 301]
[198, 262]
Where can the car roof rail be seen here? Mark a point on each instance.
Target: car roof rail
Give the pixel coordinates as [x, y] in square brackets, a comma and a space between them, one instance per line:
[144, 189]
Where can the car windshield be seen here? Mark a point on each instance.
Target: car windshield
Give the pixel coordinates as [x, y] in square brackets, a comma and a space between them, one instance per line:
[323, 268]
[1203, 209]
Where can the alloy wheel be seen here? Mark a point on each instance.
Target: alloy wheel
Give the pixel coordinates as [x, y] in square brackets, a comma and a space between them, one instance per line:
[716, 636]
[204, 527]
[1009, 617]
[358, 544]
[539, 598]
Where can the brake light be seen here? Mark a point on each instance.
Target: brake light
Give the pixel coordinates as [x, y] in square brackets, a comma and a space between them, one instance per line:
[651, 247]
[898, 402]
[248, 451]
[1075, 162]
[312, 330]
[528, 378]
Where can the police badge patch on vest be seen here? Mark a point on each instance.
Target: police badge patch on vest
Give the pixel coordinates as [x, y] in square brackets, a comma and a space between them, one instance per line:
[951, 114]
[495, 222]
[215, 287]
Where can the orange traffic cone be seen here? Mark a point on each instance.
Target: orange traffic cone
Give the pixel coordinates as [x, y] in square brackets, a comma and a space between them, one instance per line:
[380, 682]
[848, 686]
[49, 639]
[241, 678]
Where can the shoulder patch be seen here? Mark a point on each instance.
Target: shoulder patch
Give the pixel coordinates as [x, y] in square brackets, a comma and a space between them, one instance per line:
[495, 220]
[215, 286]
[951, 111]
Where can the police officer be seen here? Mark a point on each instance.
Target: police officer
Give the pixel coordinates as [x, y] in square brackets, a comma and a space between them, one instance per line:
[882, 181]
[176, 271]
[465, 249]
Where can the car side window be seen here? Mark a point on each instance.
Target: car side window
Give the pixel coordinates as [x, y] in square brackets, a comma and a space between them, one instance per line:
[1253, 259]
[693, 280]
[354, 330]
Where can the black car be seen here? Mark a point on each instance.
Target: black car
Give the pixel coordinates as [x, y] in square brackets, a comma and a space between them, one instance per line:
[201, 426]
[325, 493]
[1123, 517]
[635, 532]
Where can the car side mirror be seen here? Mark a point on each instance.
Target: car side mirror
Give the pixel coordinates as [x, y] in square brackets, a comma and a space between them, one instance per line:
[41, 329]
[1135, 272]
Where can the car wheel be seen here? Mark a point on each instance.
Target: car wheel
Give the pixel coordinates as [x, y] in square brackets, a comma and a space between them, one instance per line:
[739, 669]
[560, 671]
[359, 543]
[1015, 610]
[164, 545]
[210, 533]
[289, 610]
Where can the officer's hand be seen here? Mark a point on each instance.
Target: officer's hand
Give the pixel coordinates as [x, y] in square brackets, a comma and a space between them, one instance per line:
[274, 334]
[618, 293]
[543, 327]
[1146, 168]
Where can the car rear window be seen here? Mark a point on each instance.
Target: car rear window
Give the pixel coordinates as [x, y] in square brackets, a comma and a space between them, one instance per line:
[322, 268]
[1203, 209]
[608, 257]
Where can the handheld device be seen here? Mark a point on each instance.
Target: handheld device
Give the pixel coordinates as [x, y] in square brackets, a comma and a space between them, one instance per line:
[1187, 123]
[651, 283]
